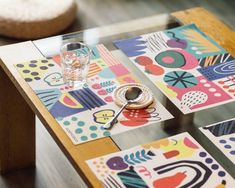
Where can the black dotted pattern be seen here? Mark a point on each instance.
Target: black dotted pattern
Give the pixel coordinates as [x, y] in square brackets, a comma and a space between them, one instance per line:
[20, 65]
[43, 65]
[43, 68]
[26, 71]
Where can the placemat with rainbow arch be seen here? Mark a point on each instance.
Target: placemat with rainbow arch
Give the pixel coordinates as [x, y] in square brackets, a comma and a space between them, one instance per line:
[177, 161]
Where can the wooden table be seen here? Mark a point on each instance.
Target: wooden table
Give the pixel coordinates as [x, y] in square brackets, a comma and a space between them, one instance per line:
[19, 104]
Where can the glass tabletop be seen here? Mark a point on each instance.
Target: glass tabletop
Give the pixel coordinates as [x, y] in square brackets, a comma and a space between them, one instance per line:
[180, 123]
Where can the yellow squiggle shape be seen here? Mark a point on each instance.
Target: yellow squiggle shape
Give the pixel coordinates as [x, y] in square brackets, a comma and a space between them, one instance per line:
[76, 103]
[169, 92]
[201, 42]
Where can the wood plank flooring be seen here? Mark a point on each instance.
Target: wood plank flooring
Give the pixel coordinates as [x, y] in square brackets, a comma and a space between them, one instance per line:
[53, 170]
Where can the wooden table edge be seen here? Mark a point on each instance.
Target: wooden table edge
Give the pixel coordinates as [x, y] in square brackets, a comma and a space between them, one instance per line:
[209, 24]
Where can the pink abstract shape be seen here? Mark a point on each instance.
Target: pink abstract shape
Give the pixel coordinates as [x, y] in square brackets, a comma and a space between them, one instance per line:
[106, 55]
[189, 143]
[213, 97]
[57, 59]
[96, 86]
[68, 101]
[119, 70]
[191, 61]
[102, 92]
[108, 99]
[144, 170]
[193, 98]
[168, 60]
[129, 80]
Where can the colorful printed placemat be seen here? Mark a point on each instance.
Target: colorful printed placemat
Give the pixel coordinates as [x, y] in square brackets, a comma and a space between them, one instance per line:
[82, 112]
[192, 70]
[177, 161]
[223, 136]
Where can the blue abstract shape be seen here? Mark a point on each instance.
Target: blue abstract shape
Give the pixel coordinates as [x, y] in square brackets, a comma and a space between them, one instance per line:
[145, 156]
[132, 47]
[131, 179]
[180, 79]
[49, 96]
[218, 71]
[95, 53]
[59, 110]
[132, 157]
[107, 73]
[86, 97]
[139, 157]
[221, 129]
[126, 159]
[107, 83]
[110, 90]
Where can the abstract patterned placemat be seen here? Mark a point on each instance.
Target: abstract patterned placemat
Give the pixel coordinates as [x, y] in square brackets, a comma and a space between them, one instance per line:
[222, 134]
[192, 70]
[177, 161]
[82, 112]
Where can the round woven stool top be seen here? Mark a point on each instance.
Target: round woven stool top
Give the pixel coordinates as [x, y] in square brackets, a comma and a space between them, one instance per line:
[29, 19]
[145, 100]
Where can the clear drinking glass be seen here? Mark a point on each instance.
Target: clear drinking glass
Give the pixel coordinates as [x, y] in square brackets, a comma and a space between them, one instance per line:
[75, 60]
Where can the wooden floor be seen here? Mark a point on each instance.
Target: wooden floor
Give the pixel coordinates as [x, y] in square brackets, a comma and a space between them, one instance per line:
[53, 170]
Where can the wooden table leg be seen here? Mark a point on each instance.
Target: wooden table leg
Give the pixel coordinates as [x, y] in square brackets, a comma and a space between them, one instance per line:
[17, 128]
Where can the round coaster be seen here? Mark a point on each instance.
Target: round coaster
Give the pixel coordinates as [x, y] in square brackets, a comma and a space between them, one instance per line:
[146, 99]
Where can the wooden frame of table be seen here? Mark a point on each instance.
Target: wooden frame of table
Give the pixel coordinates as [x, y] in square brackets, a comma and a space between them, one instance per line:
[19, 104]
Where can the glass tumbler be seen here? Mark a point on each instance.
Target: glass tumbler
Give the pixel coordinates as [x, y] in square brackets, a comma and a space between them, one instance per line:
[75, 60]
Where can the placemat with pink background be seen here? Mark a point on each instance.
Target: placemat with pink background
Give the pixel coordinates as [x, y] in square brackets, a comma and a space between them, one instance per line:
[191, 69]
